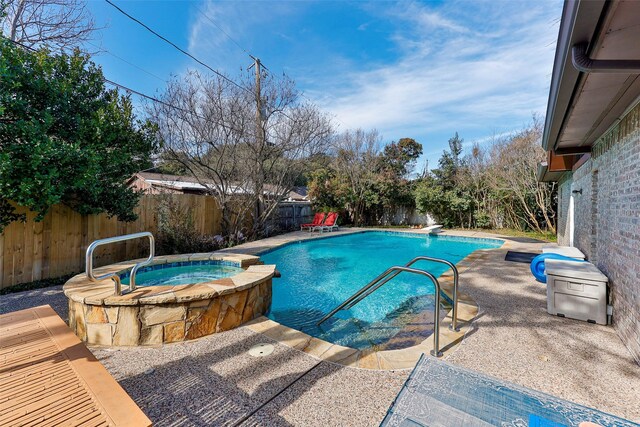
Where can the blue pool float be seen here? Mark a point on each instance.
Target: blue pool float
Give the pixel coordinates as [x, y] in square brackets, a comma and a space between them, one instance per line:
[537, 264]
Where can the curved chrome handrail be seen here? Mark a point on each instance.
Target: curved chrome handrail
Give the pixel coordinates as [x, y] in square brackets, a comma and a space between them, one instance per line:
[397, 270]
[372, 287]
[114, 276]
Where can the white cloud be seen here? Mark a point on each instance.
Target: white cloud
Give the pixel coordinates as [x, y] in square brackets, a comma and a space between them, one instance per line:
[460, 80]
[220, 31]
[431, 20]
[478, 67]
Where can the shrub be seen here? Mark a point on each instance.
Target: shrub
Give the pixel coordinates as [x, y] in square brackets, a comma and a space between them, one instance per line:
[66, 138]
[483, 220]
[177, 233]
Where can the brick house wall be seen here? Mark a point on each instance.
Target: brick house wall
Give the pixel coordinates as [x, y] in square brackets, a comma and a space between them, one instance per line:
[607, 220]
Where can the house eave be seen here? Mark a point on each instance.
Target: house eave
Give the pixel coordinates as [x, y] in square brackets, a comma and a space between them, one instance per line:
[579, 21]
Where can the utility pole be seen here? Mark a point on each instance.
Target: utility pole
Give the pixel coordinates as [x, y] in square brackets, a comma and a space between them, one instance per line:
[259, 134]
[260, 139]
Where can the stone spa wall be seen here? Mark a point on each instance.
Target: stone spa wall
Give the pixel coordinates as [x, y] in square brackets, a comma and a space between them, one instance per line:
[164, 314]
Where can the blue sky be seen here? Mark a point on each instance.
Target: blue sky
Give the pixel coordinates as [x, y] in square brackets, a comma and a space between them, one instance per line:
[411, 69]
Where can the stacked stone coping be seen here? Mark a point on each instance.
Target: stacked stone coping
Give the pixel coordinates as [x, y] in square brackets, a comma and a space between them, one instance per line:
[162, 314]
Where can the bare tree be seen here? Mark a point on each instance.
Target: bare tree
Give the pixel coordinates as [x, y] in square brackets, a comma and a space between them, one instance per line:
[208, 125]
[515, 162]
[56, 24]
[292, 132]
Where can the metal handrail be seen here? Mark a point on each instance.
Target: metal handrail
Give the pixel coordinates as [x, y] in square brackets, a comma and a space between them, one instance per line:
[371, 288]
[397, 270]
[114, 276]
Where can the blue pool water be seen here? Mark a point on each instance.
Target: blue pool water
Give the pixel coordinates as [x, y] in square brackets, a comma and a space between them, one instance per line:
[317, 275]
[182, 273]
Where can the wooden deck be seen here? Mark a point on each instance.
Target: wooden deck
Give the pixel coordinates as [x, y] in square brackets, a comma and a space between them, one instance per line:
[49, 378]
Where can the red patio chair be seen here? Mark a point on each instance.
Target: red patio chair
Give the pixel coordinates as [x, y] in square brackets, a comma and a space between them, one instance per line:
[330, 223]
[318, 218]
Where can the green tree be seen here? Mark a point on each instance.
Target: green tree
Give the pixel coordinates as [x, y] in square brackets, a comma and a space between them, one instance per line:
[441, 193]
[65, 138]
[394, 186]
[400, 157]
[323, 187]
[491, 187]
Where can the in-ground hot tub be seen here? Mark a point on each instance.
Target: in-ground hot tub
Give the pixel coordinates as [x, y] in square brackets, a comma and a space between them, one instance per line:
[178, 298]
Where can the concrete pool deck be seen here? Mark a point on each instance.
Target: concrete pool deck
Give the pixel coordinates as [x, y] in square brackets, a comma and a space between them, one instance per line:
[214, 381]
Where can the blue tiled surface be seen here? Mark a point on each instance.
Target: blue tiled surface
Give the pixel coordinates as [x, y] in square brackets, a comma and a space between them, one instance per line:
[440, 394]
[126, 274]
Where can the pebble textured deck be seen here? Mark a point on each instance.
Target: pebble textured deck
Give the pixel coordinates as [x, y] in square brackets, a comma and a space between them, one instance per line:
[48, 378]
[514, 339]
[441, 394]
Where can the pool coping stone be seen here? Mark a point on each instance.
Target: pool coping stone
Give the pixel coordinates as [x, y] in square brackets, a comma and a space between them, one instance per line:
[80, 289]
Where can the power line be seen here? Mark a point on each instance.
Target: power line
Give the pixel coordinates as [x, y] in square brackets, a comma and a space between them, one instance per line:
[177, 47]
[127, 62]
[226, 34]
[151, 98]
[166, 104]
[193, 57]
[141, 94]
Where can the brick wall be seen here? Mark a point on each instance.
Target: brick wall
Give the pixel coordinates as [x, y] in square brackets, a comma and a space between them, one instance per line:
[607, 221]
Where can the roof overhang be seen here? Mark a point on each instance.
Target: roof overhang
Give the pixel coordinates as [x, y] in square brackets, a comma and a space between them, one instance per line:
[582, 106]
[545, 175]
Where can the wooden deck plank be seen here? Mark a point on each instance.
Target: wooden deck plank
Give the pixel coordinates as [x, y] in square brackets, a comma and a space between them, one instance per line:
[48, 377]
[37, 384]
[44, 391]
[26, 371]
[50, 408]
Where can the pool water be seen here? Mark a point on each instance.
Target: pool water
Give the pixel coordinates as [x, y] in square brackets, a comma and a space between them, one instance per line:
[182, 273]
[318, 275]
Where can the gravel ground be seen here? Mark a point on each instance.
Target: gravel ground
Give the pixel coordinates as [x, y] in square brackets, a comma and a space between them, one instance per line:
[515, 339]
[21, 300]
[213, 381]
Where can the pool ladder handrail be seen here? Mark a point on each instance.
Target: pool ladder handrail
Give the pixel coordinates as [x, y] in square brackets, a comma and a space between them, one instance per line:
[132, 280]
[368, 290]
[392, 272]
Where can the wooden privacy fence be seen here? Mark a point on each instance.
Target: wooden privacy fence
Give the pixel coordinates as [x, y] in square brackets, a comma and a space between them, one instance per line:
[56, 246]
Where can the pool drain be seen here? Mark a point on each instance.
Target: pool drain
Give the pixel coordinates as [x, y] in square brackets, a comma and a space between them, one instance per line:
[261, 350]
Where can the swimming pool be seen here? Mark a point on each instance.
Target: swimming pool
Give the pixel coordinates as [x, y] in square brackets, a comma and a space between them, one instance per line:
[319, 274]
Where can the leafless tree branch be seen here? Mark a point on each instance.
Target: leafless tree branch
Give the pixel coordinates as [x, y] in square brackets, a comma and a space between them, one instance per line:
[55, 24]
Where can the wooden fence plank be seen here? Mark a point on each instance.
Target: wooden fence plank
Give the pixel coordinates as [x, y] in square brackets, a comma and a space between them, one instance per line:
[10, 233]
[46, 248]
[38, 241]
[28, 248]
[55, 246]
[56, 217]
